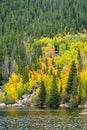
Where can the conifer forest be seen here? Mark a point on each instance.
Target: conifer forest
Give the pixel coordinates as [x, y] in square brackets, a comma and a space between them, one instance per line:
[43, 52]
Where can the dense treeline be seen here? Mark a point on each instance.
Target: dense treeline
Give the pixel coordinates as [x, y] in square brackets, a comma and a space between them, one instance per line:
[42, 17]
[55, 67]
[22, 20]
[28, 58]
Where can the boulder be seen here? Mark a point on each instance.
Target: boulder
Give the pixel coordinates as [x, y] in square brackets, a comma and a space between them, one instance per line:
[9, 105]
[84, 112]
[64, 105]
[15, 105]
[80, 106]
[85, 105]
[2, 105]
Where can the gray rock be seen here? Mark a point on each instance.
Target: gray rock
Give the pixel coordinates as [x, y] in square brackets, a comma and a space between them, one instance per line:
[2, 105]
[17, 105]
[64, 105]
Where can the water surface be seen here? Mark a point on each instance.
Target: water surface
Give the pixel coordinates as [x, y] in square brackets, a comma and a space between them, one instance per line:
[42, 119]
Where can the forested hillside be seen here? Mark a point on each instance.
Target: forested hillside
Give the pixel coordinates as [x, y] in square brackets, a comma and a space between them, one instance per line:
[42, 17]
[43, 43]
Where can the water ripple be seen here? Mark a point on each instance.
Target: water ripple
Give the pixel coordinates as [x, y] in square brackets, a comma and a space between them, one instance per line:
[43, 123]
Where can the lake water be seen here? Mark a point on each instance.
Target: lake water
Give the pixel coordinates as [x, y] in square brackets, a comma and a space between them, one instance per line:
[42, 119]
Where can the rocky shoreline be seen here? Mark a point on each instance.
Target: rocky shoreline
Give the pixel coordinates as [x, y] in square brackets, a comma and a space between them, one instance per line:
[18, 104]
[84, 112]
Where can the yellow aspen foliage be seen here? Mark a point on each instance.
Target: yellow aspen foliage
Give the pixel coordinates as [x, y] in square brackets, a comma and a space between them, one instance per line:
[83, 80]
[47, 81]
[35, 75]
[43, 66]
[11, 91]
[49, 61]
[64, 77]
[34, 78]
[32, 83]
[15, 82]
[40, 59]
[54, 71]
[48, 51]
[45, 40]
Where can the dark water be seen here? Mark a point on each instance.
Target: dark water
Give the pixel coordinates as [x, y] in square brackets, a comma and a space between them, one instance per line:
[38, 119]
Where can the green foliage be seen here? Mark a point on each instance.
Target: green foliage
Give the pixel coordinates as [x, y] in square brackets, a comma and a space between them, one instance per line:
[72, 85]
[80, 95]
[1, 97]
[42, 94]
[60, 26]
[8, 100]
[1, 78]
[39, 59]
[80, 64]
[61, 89]
[20, 92]
[38, 18]
[54, 96]
[72, 74]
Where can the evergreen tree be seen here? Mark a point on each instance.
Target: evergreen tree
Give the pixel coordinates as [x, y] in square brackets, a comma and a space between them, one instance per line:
[61, 89]
[72, 84]
[42, 94]
[0, 78]
[25, 75]
[80, 65]
[80, 95]
[79, 61]
[54, 96]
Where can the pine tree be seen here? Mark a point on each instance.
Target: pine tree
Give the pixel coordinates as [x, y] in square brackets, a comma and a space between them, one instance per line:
[42, 94]
[80, 96]
[54, 96]
[72, 84]
[0, 78]
[79, 61]
[61, 89]
[80, 65]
